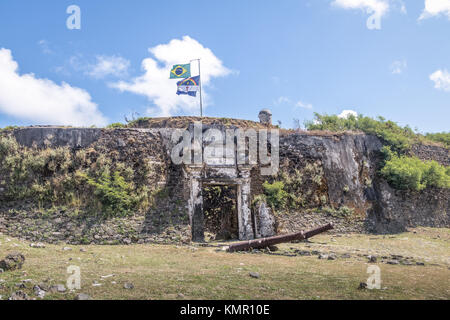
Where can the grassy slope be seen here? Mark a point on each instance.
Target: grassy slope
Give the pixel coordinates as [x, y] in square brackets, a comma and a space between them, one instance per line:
[162, 272]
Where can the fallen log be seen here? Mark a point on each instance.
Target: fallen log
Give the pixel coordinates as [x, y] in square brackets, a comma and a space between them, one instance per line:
[266, 242]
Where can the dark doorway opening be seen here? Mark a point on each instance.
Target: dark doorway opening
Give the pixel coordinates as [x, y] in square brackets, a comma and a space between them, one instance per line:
[220, 212]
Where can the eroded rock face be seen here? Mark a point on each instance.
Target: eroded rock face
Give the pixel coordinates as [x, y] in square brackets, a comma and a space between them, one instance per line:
[347, 173]
[397, 210]
[347, 161]
[424, 152]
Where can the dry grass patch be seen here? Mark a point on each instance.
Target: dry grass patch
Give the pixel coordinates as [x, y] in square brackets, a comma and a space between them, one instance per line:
[191, 272]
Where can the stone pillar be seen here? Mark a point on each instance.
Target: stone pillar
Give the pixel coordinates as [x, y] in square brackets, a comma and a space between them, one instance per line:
[196, 204]
[244, 210]
[265, 222]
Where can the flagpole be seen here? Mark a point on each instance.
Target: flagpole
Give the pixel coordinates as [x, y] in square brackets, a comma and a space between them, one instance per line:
[200, 85]
[200, 81]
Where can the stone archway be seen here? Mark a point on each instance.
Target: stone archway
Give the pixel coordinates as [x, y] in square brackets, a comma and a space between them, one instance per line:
[220, 217]
[227, 176]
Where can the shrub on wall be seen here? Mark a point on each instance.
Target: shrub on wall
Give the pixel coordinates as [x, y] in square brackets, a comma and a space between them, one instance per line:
[116, 125]
[82, 179]
[114, 193]
[276, 196]
[411, 173]
[442, 137]
[399, 138]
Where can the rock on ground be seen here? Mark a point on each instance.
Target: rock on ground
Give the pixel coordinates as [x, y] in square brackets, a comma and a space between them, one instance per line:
[59, 288]
[37, 245]
[13, 261]
[82, 296]
[323, 256]
[128, 285]
[19, 295]
[39, 292]
[362, 286]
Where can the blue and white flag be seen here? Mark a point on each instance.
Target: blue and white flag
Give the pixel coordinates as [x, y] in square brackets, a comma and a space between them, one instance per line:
[189, 86]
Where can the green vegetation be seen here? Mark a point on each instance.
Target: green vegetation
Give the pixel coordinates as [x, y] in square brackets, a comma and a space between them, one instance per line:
[259, 199]
[134, 122]
[399, 138]
[442, 137]
[116, 125]
[84, 179]
[401, 170]
[404, 172]
[9, 128]
[114, 193]
[275, 194]
[294, 187]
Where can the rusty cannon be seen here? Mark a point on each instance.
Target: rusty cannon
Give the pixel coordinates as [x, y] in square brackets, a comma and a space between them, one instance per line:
[266, 242]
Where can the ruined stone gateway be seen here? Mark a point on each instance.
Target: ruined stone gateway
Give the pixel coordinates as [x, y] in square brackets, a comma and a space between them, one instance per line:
[332, 178]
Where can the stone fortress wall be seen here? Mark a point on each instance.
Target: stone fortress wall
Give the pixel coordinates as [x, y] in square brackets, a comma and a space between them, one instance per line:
[337, 170]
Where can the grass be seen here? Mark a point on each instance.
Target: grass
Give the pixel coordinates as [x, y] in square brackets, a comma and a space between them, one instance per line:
[165, 272]
[398, 137]
[184, 121]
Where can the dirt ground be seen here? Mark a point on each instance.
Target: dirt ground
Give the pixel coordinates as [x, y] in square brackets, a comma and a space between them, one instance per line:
[412, 265]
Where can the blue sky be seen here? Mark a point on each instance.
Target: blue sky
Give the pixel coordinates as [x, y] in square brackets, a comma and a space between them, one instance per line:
[292, 56]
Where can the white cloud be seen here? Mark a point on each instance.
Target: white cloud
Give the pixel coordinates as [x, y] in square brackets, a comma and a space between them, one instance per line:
[41, 100]
[299, 104]
[159, 89]
[282, 100]
[435, 8]
[402, 7]
[380, 7]
[108, 66]
[347, 113]
[397, 67]
[376, 8]
[303, 105]
[103, 66]
[441, 79]
[45, 47]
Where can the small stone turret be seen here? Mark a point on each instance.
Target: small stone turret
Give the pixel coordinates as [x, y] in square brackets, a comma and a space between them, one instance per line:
[265, 117]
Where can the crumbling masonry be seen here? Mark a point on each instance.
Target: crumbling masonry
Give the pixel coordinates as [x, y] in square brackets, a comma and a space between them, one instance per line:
[329, 171]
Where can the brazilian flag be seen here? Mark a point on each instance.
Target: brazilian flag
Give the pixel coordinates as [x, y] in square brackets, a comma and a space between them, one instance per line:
[180, 71]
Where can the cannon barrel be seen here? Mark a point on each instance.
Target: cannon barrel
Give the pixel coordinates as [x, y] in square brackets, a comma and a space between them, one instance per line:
[265, 242]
